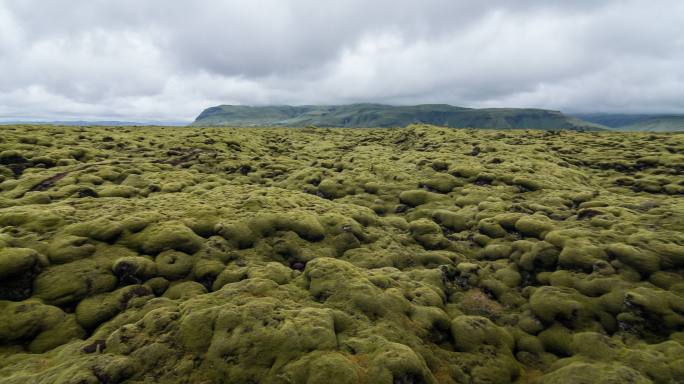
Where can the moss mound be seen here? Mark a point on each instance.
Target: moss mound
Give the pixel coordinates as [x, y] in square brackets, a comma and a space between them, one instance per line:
[414, 255]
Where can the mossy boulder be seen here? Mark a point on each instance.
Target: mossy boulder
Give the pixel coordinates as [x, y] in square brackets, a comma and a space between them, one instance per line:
[93, 311]
[44, 326]
[550, 303]
[238, 234]
[451, 220]
[534, 226]
[441, 182]
[101, 229]
[68, 283]
[68, 248]
[491, 227]
[428, 234]
[416, 197]
[598, 373]
[16, 261]
[581, 254]
[134, 269]
[174, 265]
[160, 237]
[643, 261]
[497, 251]
[470, 333]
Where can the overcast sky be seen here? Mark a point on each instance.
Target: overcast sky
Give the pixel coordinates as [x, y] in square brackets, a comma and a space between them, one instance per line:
[170, 59]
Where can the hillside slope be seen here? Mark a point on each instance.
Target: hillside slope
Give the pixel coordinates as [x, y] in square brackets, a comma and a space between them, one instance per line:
[378, 115]
[636, 122]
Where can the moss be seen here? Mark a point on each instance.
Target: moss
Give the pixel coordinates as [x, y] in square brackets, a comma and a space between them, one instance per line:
[16, 261]
[497, 251]
[550, 303]
[537, 256]
[101, 229]
[557, 340]
[64, 284]
[397, 363]
[580, 254]
[63, 333]
[174, 265]
[331, 189]
[184, 290]
[534, 226]
[118, 191]
[157, 285]
[428, 234]
[239, 234]
[339, 255]
[416, 197]
[441, 182]
[451, 220]
[595, 373]
[304, 225]
[471, 332]
[160, 237]
[134, 269]
[528, 184]
[332, 367]
[68, 248]
[95, 310]
[491, 228]
[643, 261]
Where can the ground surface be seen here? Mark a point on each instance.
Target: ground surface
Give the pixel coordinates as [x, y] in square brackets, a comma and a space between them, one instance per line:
[416, 255]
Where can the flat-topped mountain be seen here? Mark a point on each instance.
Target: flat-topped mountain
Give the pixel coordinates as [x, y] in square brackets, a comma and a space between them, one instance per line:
[636, 122]
[378, 115]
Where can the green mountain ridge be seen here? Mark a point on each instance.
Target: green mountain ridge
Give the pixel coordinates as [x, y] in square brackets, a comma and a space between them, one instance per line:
[636, 122]
[379, 115]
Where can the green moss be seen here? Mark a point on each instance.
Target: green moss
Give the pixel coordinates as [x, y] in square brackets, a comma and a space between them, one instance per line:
[428, 234]
[174, 265]
[160, 237]
[557, 340]
[580, 254]
[441, 182]
[99, 229]
[134, 268]
[451, 220]
[470, 333]
[17, 261]
[416, 197]
[68, 248]
[550, 303]
[284, 255]
[534, 226]
[93, 311]
[528, 184]
[304, 225]
[491, 228]
[497, 251]
[118, 191]
[64, 284]
[643, 261]
[184, 290]
[595, 373]
[239, 234]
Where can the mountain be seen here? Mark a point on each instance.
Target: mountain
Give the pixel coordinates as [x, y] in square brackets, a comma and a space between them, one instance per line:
[108, 123]
[378, 115]
[636, 122]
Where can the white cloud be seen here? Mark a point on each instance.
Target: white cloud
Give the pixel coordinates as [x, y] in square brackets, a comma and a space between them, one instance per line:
[170, 59]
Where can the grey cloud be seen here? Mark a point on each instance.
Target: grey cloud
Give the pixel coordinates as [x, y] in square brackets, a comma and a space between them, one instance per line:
[169, 59]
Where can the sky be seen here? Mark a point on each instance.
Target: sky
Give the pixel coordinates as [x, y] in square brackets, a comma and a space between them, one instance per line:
[167, 60]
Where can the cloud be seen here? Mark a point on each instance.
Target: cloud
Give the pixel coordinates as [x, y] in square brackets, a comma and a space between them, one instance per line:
[170, 59]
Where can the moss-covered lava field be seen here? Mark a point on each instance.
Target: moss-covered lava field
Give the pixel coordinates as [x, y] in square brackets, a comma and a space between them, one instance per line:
[415, 255]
